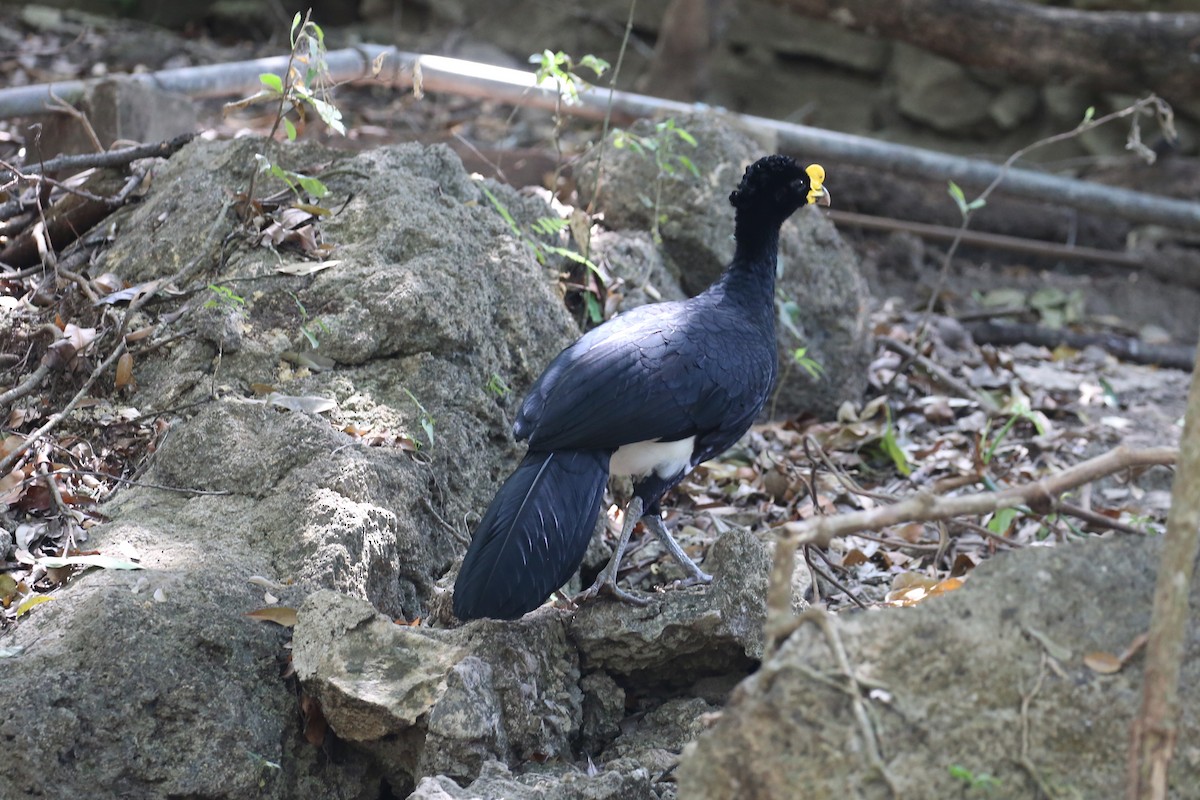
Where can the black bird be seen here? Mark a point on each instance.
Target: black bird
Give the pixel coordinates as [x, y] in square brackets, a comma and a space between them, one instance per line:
[651, 393]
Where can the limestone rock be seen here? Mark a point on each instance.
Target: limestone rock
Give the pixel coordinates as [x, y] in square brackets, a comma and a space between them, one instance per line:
[942, 700]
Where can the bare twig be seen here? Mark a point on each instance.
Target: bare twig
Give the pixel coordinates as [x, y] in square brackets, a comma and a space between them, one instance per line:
[608, 110]
[31, 382]
[117, 199]
[60, 106]
[112, 158]
[1151, 101]
[828, 624]
[185, 274]
[1097, 519]
[926, 507]
[939, 374]
[1024, 760]
[64, 473]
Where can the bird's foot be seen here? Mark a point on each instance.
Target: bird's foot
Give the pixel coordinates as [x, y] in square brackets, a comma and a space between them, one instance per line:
[697, 578]
[606, 585]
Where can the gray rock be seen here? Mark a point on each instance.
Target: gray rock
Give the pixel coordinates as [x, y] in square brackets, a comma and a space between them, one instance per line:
[1013, 106]
[938, 92]
[433, 296]
[943, 700]
[761, 24]
[603, 710]
[497, 782]
[684, 635]
[140, 697]
[428, 701]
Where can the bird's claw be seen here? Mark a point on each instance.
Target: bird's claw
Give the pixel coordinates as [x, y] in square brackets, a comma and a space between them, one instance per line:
[698, 578]
[609, 587]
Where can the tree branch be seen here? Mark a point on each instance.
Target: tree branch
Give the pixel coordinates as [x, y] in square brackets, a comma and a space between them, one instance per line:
[1152, 739]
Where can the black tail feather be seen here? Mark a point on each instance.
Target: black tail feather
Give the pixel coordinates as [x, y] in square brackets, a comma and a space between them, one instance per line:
[533, 536]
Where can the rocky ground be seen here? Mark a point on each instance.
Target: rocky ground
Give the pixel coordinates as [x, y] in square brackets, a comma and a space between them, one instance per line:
[317, 407]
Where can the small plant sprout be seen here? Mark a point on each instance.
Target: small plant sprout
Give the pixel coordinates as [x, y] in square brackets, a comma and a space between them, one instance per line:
[789, 312]
[960, 199]
[812, 367]
[310, 327]
[560, 68]
[426, 420]
[663, 146]
[305, 84]
[983, 781]
[497, 386]
[551, 227]
[224, 298]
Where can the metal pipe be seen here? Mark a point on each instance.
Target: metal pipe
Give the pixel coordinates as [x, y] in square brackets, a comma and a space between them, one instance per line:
[517, 87]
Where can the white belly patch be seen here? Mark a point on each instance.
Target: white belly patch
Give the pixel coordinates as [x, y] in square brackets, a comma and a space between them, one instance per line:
[663, 458]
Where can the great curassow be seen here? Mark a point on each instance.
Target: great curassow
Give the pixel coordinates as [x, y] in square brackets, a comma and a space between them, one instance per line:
[651, 393]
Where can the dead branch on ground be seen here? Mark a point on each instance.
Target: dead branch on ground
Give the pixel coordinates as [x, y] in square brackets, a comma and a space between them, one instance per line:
[927, 507]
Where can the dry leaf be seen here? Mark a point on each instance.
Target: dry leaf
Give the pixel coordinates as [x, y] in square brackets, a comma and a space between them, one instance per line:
[306, 267]
[124, 371]
[854, 558]
[280, 615]
[1102, 663]
[948, 585]
[31, 601]
[315, 725]
[306, 404]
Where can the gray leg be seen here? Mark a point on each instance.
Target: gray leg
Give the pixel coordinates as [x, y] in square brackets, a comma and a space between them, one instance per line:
[695, 574]
[606, 581]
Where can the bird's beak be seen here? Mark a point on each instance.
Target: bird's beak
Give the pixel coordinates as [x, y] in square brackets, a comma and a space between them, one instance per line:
[817, 192]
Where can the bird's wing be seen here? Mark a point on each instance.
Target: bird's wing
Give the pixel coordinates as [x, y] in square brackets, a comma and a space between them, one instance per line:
[666, 371]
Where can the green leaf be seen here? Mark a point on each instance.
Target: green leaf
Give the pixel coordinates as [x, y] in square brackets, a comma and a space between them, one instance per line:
[1002, 520]
[1110, 394]
[30, 602]
[571, 255]
[687, 137]
[500, 207]
[594, 311]
[271, 81]
[960, 199]
[811, 366]
[597, 65]
[328, 113]
[548, 226]
[312, 186]
[893, 449]
[290, 128]
[688, 165]
[295, 24]
[1089, 115]
[788, 312]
